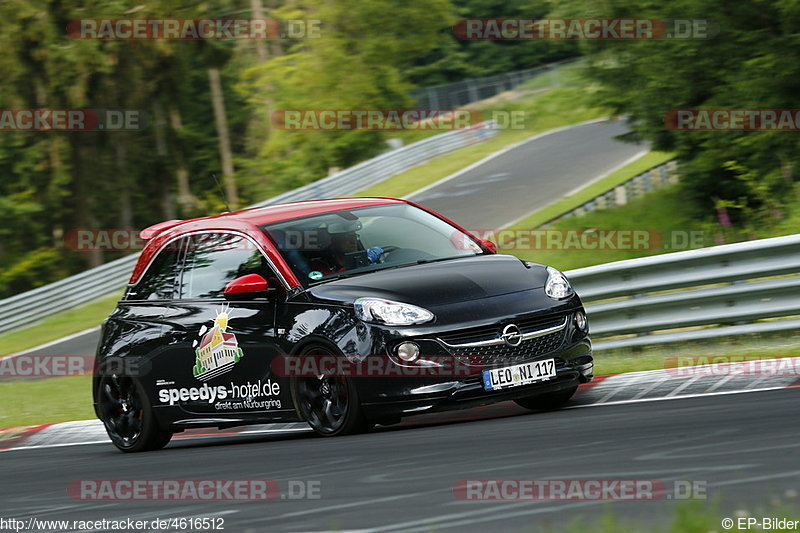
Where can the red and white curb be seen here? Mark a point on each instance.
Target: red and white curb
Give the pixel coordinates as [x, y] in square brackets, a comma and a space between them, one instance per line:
[82, 432]
[691, 381]
[633, 387]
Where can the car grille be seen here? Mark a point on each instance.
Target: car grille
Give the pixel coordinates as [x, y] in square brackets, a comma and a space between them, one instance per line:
[479, 333]
[501, 353]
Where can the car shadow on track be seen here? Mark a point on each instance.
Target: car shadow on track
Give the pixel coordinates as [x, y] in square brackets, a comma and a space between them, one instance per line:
[210, 437]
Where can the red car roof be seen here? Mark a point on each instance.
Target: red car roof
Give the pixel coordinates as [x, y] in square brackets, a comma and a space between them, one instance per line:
[246, 221]
[257, 216]
[280, 212]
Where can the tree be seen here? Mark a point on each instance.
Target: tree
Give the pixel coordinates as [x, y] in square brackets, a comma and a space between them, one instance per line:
[456, 59]
[358, 61]
[748, 65]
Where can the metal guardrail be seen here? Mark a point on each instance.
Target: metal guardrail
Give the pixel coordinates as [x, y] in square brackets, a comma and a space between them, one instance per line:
[639, 185]
[386, 165]
[682, 296]
[692, 295]
[28, 307]
[461, 93]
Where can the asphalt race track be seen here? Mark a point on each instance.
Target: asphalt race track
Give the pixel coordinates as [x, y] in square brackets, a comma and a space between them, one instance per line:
[742, 447]
[84, 343]
[530, 176]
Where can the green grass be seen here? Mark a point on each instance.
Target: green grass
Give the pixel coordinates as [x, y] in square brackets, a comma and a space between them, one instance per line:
[58, 325]
[660, 212]
[695, 516]
[43, 401]
[765, 346]
[544, 111]
[618, 177]
[565, 75]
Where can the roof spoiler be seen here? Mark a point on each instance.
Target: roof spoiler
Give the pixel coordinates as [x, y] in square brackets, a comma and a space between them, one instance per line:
[150, 232]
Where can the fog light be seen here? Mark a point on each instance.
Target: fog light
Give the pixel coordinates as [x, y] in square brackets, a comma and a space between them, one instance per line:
[580, 320]
[408, 351]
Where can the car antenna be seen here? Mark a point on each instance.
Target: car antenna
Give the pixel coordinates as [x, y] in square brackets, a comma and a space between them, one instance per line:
[221, 192]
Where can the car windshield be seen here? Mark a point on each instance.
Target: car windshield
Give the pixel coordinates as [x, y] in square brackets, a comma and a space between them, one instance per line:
[345, 243]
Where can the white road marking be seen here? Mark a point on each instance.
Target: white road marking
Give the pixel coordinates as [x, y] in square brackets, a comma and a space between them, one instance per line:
[57, 341]
[495, 155]
[188, 437]
[737, 481]
[682, 397]
[341, 506]
[62, 445]
[464, 518]
[469, 518]
[755, 383]
[650, 388]
[619, 383]
[579, 188]
[682, 386]
[719, 384]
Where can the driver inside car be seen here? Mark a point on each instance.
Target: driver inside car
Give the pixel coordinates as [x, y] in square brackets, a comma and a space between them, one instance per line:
[343, 240]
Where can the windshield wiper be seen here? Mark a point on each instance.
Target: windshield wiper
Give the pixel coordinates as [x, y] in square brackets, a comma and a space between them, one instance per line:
[426, 261]
[333, 277]
[342, 275]
[436, 260]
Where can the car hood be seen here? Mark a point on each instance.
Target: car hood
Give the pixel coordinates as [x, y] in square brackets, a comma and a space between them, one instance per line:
[435, 284]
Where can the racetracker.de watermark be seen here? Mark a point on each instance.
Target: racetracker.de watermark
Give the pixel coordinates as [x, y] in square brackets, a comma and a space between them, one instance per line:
[72, 120]
[374, 119]
[733, 119]
[49, 366]
[192, 490]
[594, 239]
[397, 119]
[732, 365]
[515, 490]
[568, 29]
[192, 29]
[377, 366]
[121, 239]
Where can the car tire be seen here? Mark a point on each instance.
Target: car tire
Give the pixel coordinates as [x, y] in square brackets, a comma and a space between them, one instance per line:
[128, 416]
[329, 404]
[547, 402]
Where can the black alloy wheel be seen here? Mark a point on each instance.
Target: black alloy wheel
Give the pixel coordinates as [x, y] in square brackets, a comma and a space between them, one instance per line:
[128, 417]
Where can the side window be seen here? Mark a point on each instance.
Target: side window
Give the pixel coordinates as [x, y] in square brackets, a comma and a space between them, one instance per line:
[214, 260]
[158, 282]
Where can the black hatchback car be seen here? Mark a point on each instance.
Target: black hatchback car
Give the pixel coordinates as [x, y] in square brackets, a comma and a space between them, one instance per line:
[344, 313]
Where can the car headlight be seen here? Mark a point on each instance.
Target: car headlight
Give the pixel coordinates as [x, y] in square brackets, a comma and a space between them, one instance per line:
[557, 285]
[391, 313]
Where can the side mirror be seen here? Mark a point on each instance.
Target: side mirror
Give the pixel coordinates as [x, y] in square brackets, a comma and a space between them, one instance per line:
[248, 286]
[489, 245]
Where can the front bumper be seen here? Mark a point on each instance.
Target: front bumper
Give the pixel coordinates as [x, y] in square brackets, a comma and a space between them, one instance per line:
[389, 398]
[467, 337]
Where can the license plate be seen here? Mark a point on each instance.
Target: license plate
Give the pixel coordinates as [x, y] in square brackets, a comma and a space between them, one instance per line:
[517, 375]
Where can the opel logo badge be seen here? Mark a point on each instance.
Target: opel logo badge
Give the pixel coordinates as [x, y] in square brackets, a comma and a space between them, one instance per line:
[512, 335]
